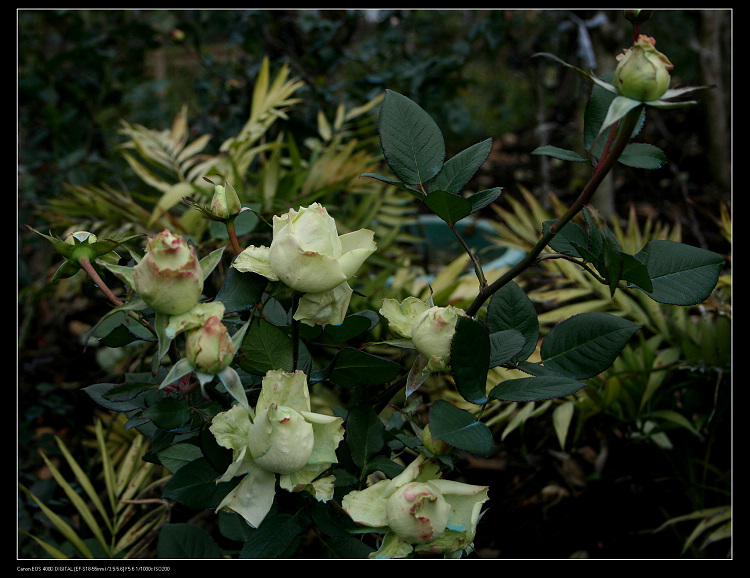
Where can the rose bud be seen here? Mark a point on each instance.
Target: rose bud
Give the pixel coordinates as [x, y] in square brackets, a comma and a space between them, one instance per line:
[225, 202]
[210, 348]
[169, 277]
[432, 334]
[643, 72]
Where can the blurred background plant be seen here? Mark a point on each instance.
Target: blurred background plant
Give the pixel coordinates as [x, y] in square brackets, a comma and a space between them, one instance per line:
[123, 112]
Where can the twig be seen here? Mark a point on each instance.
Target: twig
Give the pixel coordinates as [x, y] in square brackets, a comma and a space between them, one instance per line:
[624, 129]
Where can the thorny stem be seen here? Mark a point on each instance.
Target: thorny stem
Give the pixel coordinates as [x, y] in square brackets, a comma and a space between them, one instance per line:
[624, 129]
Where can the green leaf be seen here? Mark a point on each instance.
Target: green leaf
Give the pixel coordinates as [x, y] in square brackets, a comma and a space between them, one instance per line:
[680, 274]
[596, 111]
[562, 417]
[412, 143]
[396, 183]
[119, 337]
[210, 261]
[241, 291]
[505, 345]
[612, 263]
[265, 347]
[470, 359]
[558, 153]
[352, 368]
[346, 548]
[178, 455]
[525, 389]
[449, 207]
[643, 156]
[364, 433]
[169, 413]
[186, 541]
[218, 457]
[483, 198]
[635, 272]
[620, 107]
[460, 429]
[596, 236]
[125, 398]
[194, 485]
[536, 369]
[278, 535]
[511, 308]
[568, 239]
[458, 170]
[586, 344]
[353, 325]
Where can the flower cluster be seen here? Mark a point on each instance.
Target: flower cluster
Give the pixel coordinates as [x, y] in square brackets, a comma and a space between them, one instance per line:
[281, 441]
[308, 255]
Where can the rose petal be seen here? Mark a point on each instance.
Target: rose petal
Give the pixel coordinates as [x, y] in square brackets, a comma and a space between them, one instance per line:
[326, 308]
[286, 389]
[466, 503]
[255, 260]
[253, 497]
[303, 270]
[367, 507]
[328, 432]
[401, 316]
[231, 428]
[356, 247]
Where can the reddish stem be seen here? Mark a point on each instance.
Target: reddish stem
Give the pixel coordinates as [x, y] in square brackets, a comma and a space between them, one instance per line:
[88, 267]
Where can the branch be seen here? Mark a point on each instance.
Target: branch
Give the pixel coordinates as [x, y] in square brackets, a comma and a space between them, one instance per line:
[624, 129]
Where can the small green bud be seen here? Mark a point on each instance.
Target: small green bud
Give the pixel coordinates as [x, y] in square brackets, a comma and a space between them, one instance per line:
[225, 202]
[643, 72]
[636, 17]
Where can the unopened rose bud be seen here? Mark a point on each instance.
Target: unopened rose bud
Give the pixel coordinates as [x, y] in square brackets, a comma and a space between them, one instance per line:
[433, 332]
[169, 277]
[417, 513]
[643, 72]
[210, 348]
[225, 202]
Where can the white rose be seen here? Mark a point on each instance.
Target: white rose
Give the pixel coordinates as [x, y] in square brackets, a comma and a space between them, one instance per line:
[307, 253]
